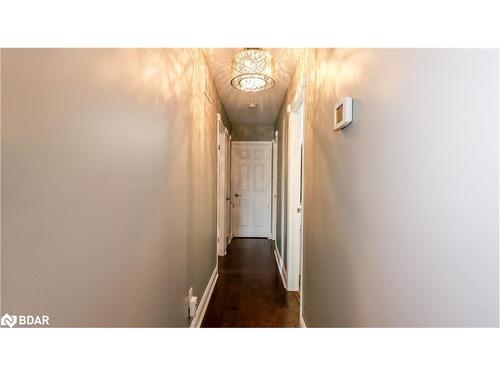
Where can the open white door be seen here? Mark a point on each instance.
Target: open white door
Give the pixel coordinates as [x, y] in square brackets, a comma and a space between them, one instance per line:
[222, 136]
[251, 189]
[227, 204]
[295, 195]
[275, 187]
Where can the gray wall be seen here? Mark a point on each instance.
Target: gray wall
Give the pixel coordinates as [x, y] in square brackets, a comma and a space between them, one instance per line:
[108, 184]
[0, 181]
[401, 208]
[263, 132]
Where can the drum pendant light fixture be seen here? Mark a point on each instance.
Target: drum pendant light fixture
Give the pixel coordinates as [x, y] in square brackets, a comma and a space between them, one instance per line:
[252, 70]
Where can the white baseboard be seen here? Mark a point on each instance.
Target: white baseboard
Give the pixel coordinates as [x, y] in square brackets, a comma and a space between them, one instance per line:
[205, 299]
[280, 264]
[302, 322]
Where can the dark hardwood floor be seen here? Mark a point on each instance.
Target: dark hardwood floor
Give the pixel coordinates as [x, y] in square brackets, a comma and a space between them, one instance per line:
[249, 291]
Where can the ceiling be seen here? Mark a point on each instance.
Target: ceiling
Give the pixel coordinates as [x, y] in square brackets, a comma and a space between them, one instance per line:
[249, 123]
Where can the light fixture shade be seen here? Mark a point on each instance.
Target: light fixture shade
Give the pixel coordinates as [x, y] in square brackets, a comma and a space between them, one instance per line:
[252, 70]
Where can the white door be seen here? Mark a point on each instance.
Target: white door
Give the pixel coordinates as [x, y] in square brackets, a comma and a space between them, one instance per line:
[275, 186]
[251, 189]
[228, 189]
[295, 195]
[222, 218]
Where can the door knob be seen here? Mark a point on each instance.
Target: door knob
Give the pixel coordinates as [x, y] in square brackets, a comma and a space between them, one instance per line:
[236, 195]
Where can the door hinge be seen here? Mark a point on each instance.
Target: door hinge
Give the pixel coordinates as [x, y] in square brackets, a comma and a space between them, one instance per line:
[218, 147]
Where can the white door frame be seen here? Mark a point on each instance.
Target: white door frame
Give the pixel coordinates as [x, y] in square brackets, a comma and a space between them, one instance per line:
[232, 174]
[274, 219]
[296, 119]
[221, 186]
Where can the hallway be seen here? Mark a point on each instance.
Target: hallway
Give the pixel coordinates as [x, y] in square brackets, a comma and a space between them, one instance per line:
[249, 291]
[317, 187]
[127, 173]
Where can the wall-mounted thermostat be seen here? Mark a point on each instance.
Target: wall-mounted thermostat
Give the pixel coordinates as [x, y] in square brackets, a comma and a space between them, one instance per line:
[343, 113]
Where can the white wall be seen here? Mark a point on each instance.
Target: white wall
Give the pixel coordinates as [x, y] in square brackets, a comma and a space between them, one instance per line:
[108, 184]
[401, 208]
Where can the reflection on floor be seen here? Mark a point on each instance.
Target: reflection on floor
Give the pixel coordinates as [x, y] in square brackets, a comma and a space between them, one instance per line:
[249, 291]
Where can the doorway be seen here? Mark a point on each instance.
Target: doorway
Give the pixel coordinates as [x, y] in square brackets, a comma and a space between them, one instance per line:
[251, 183]
[223, 187]
[274, 227]
[295, 191]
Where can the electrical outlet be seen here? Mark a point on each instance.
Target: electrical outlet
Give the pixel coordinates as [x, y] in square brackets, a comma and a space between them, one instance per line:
[192, 302]
[193, 305]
